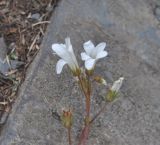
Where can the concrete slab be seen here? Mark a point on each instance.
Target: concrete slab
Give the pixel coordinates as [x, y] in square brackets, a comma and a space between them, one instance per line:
[131, 31]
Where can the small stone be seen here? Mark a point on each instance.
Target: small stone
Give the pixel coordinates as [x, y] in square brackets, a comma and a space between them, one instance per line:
[14, 64]
[157, 13]
[4, 118]
[4, 67]
[35, 16]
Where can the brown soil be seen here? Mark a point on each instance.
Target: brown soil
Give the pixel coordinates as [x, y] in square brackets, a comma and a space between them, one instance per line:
[22, 25]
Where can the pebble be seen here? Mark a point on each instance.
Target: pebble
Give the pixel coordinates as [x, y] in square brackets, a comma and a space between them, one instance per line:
[35, 16]
[4, 118]
[4, 66]
[157, 13]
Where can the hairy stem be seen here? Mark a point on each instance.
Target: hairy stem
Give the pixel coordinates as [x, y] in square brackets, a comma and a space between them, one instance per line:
[69, 136]
[87, 107]
[84, 135]
[88, 101]
[81, 86]
[85, 131]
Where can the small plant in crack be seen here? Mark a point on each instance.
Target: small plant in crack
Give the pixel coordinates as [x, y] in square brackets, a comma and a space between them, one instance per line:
[86, 78]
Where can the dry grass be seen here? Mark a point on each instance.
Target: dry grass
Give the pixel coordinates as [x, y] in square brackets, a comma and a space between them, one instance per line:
[22, 25]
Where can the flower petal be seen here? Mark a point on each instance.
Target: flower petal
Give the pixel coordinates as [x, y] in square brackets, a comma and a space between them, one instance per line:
[100, 47]
[117, 84]
[68, 44]
[88, 47]
[89, 64]
[84, 56]
[70, 50]
[101, 54]
[60, 49]
[62, 52]
[60, 65]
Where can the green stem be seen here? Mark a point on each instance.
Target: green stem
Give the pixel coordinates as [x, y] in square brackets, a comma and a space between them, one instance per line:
[85, 131]
[88, 107]
[88, 98]
[87, 95]
[81, 85]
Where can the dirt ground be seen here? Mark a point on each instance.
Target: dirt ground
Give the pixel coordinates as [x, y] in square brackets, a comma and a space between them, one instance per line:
[22, 27]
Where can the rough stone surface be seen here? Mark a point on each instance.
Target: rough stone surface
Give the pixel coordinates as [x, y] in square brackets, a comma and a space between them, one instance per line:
[132, 32]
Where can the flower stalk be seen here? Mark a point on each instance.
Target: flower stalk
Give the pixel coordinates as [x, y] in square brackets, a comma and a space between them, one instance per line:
[69, 136]
[87, 91]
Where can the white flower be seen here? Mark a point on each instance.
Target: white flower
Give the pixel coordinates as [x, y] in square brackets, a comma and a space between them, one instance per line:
[92, 53]
[117, 85]
[65, 51]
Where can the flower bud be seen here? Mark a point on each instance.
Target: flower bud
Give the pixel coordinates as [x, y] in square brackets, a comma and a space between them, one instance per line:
[111, 96]
[90, 72]
[76, 72]
[113, 91]
[100, 80]
[67, 118]
[117, 85]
